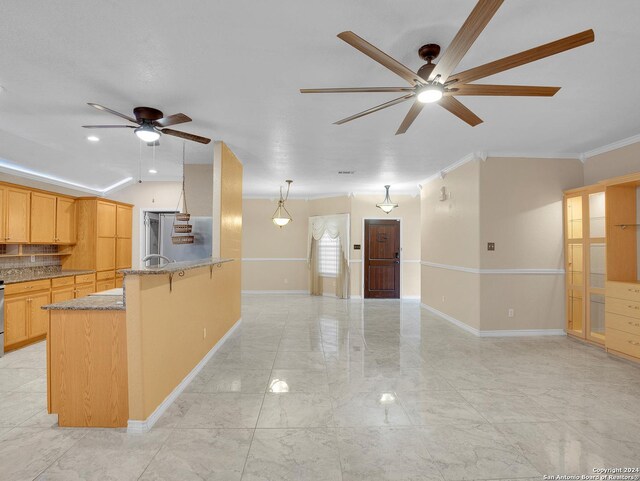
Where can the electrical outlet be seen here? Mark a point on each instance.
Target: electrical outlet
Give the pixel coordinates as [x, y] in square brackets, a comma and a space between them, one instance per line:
[511, 313]
[33, 258]
[491, 246]
[204, 333]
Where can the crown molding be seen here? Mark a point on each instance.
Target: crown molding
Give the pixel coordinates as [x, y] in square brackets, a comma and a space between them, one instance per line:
[612, 146]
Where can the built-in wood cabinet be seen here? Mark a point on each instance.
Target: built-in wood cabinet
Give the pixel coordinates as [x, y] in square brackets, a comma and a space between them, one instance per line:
[601, 256]
[15, 214]
[104, 239]
[29, 216]
[25, 320]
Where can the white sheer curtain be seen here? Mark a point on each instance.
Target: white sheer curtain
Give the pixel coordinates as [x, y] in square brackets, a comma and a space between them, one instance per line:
[336, 227]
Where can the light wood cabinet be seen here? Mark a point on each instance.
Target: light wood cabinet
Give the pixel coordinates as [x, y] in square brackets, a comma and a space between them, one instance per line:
[16, 215]
[65, 220]
[43, 218]
[62, 294]
[103, 237]
[105, 285]
[25, 321]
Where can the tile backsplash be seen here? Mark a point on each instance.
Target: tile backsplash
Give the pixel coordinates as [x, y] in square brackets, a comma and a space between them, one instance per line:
[10, 266]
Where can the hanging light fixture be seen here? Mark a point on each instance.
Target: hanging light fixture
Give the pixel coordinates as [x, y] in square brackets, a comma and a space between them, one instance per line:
[182, 233]
[386, 205]
[281, 216]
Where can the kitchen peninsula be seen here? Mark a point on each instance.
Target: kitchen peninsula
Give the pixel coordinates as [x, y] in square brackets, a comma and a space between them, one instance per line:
[116, 361]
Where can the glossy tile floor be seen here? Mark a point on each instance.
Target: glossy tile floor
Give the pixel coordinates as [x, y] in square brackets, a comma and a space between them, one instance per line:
[322, 389]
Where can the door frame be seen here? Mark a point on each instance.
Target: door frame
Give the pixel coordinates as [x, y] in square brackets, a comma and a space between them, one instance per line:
[363, 251]
[142, 241]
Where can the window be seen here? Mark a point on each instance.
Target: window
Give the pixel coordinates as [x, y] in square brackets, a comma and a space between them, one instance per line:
[328, 255]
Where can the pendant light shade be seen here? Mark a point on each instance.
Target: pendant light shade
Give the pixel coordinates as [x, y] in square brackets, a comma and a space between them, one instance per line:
[281, 216]
[386, 205]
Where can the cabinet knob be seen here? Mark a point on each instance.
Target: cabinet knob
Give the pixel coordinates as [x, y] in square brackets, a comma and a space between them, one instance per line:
[634, 343]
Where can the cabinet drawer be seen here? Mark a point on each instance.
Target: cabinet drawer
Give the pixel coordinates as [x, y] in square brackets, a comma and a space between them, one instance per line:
[622, 323]
[623, 342]
[104, 275]
[84, 278]
[105, 285]
[26, 287]
[624, 290]
[62, 281]
[622, 307]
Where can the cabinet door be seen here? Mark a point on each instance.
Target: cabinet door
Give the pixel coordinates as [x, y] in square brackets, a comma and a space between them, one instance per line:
[119, 281]
[17, 215]
[3, 192]
[106, 219]
[123, 217]
[105, 285]
[16, 314]
[43, 218]
[85, 290]
[38, 318]
[61, 295]
[106, 253]
[123, 253]
[65, 221]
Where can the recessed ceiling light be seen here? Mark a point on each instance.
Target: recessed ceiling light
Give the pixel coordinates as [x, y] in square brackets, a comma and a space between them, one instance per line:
[93, 138]
[153, 171]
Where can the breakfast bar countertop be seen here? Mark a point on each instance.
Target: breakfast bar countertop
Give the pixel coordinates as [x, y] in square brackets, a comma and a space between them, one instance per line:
[89, 303]
[31, 276]
[173, 267]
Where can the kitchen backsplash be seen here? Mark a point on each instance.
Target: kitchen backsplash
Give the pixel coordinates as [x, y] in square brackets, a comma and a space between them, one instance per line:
[41, 264]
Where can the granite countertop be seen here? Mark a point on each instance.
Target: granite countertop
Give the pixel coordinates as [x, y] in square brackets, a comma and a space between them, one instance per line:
[172, 267]
[30, 276]
[89, 303]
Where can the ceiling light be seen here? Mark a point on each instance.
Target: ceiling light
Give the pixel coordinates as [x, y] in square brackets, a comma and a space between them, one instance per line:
[281, 216]
[147, 133]
[93, 138]
[430, 93]
[153, 171]
[386, 205]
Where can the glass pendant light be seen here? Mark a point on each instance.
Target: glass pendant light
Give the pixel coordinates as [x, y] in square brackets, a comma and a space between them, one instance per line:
[386, 205]
[281, 216]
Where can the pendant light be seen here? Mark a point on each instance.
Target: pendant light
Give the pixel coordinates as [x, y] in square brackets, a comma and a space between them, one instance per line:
[182, 216]
[386, 205]
[281, 216]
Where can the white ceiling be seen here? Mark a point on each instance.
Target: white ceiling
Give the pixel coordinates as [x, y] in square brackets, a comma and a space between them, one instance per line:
[236, 66]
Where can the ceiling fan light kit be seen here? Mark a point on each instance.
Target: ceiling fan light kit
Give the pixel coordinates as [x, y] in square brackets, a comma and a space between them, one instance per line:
[281, 216]
[438, 83]
[147, 133]
[387, 205]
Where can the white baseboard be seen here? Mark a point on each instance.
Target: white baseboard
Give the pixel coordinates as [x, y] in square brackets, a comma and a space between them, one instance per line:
[275, 292]
[494, 333]
[355, 297]
[410, 298]
[136, 427]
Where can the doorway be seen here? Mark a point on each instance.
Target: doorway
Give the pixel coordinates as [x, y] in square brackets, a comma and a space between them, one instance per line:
[381, 259]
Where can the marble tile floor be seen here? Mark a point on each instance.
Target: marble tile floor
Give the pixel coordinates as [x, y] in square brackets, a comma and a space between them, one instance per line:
[322, 389]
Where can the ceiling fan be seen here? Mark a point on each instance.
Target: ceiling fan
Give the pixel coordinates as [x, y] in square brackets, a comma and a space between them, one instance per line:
[150, 124]
[438, 83]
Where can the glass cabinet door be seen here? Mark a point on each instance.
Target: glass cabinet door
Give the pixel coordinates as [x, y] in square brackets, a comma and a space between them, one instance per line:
[596, 216]
[597, 268]
[596, 317]
[574, 217]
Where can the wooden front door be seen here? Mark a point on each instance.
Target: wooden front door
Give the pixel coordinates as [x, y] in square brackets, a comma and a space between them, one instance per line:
[381, 259]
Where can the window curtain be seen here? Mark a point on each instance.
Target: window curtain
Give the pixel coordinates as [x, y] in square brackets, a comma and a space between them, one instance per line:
[335, 226]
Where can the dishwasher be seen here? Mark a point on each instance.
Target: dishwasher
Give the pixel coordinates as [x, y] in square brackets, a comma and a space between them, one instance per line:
[1, 318]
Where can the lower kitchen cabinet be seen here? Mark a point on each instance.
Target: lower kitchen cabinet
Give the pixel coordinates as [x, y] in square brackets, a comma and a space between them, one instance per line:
[24, 318]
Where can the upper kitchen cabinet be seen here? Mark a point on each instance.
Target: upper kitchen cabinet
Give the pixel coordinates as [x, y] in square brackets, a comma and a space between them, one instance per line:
[15, 214]
[52, 219]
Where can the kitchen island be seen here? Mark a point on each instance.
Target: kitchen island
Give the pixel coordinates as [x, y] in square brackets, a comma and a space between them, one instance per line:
[120, 360]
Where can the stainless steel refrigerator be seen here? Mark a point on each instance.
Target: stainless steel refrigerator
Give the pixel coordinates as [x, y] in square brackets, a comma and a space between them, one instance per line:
[200, 249]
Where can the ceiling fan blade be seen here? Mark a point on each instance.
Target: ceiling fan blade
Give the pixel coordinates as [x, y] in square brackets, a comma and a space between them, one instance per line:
[109, 126]
[414, 111]
[186, 136]
[380, 57]
[374, 109]
[356, 90]
[105, 109]
[506, 90]
[522, 58]
[468, 33]
[172, 120]
[459, 110]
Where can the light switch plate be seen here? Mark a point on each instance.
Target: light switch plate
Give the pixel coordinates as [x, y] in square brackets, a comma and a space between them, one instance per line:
[491, 246]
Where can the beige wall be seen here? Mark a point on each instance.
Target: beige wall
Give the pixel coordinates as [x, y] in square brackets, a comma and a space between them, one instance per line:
[198, 184]
[264, 243]
[622, 161]
[147, 196]
[266, 246]
[516, 203]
